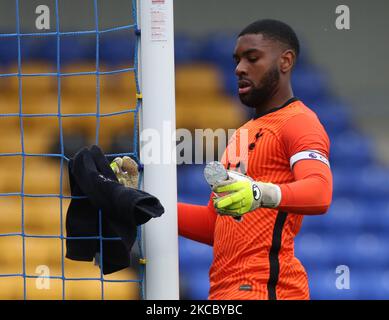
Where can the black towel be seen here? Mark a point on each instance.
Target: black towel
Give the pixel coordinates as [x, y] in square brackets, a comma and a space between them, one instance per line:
[122, 210]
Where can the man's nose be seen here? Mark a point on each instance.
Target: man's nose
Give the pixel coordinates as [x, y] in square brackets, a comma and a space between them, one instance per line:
[240, 69]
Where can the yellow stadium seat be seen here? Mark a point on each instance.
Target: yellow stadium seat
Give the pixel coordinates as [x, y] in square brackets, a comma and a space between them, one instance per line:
[10, 214]
[42, 215]
[91, 289]
[220, 112]
[10, 171]
[37, 290]
[35, 84]
[11, 288]
[11, 253]
[40, 176]
[40, 124]
[202, 79]
[37, 102]
[9, 103]
[37, 252]
[40, 140]
[10, 138]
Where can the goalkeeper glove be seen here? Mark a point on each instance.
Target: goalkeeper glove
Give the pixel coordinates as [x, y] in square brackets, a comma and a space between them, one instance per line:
[244, 195]
[98, 182]
[126, 171]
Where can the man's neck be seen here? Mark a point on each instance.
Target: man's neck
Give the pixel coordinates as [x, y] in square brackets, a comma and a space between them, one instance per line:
[277, 100]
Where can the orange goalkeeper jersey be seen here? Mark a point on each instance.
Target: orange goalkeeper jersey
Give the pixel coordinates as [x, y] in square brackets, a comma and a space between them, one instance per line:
[254, 257]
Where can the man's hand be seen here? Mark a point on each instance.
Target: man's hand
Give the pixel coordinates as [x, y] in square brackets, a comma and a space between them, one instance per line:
[240, 194]
[126, 171]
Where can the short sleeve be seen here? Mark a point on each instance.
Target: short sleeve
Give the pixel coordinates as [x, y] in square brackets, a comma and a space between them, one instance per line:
[304, 137]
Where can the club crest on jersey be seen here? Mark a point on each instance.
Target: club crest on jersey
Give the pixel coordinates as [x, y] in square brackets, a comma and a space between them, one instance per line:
[256, 192]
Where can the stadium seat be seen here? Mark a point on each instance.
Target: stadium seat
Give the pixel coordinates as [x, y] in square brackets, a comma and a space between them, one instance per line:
[194, 173]
[43, 84]
[205, 113]
[194, 255]
[217, 48]
[309, 84]
[198, 282]
[360, 249]
[313, 249]
[91, 289]
[198, 79]
[10, 214]
[9, 101]
[43, 215]
[116, 50]
[11, 288]
[186, 49]
[8, 50]
[376, 215]
[10, 141]
[323, 284]
[333, 115]
[351, 145]
[39, 141]
[373, 182]
[42, 178]
[344, 216]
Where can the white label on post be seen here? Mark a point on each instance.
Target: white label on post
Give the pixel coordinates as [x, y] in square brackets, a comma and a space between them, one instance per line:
[158, 20]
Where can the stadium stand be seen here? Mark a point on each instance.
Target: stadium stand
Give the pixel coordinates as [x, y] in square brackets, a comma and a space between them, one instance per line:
[352, 233]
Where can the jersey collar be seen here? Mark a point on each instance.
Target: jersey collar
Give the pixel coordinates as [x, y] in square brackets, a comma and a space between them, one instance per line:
[291, 100]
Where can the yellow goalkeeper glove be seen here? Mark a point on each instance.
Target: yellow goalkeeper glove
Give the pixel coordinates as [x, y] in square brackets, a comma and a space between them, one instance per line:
[242, 194]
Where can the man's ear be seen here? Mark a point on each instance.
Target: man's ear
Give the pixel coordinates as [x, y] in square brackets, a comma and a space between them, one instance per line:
[287, 61]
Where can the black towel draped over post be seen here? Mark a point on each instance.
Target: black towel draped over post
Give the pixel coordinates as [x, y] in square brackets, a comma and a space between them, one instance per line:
[95, 189]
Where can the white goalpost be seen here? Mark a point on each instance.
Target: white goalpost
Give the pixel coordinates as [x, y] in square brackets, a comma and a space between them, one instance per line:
[158, 110]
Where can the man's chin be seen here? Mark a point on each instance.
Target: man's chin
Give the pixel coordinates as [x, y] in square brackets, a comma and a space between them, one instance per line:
[246, 100]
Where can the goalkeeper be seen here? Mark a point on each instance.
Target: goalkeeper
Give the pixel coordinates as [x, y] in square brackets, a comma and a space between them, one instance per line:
[254, 215]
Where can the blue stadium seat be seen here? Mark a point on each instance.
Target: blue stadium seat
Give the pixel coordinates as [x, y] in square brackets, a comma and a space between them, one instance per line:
[380, 285]
[334, 116]
[194, 255]
[198, 284]
[116, 50]
[8, 50]
[191, 182]
[351, 149]
[312, 224]
[376, 215]
[323, 284]
[368, 181]
[373, 183]
[186, 49]
[218, 48]
[313, 249]
[344, 181]
[362, 250]
[309, 84]
[344, 216]
[72, 50]
[365, 283]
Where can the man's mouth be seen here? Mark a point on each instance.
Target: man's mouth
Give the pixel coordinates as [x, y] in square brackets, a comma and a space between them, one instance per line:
[244, 86]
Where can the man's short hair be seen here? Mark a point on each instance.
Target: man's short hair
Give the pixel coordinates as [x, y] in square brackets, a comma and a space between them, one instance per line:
[275, 30]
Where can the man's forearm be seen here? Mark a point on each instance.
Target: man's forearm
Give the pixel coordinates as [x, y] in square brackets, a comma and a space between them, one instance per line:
[311, 193]
[196, 222]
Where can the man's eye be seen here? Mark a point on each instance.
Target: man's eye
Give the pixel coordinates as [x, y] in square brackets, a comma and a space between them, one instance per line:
[252, 59]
